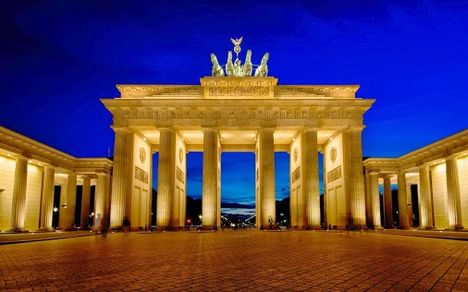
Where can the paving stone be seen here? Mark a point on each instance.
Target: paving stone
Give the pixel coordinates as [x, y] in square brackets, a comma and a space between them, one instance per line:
[236, 261]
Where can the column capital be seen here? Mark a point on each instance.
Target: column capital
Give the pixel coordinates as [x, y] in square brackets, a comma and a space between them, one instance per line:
[121, 129]
[310, 129]
[266, 129]
[453, 156]
[354, 128]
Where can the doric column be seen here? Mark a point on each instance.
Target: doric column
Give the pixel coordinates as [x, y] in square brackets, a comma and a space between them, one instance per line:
[402, 201]
[453, 194]
[71, 202]
[166, 178]
[85, 201]
[352, 147]
[18, 210]
[122, 175]
[368, 200]
[210, 197]
[266, 162]
[425, 198]
[100, 198]
[47, 203]
[388, 202]
[374, 200]
[310, 178]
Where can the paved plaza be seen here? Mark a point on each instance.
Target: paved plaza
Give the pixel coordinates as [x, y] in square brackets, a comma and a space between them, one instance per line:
[237, 261]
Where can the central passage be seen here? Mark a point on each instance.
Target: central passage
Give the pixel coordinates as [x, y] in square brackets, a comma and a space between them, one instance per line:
[238, 189]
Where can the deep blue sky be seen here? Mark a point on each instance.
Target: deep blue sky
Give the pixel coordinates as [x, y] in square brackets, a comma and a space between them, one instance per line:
[57, 58]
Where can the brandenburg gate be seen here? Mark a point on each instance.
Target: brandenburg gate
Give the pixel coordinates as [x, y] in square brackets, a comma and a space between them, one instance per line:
[238, 110]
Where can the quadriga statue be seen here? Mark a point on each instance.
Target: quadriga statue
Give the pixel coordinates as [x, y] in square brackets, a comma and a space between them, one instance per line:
[262, 70]
[247, 68]
[216, 70]
[229, 65]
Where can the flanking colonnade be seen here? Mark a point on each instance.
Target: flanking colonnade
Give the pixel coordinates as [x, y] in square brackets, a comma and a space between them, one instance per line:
[437, 175]
[29, 174]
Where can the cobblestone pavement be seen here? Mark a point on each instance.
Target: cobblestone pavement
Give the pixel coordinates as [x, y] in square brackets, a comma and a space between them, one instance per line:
[237, 261]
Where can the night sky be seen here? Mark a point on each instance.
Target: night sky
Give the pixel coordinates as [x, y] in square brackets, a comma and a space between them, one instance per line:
[57, 58]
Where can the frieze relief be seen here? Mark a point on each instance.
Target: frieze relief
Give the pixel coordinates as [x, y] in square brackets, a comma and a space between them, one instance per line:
[336, 91]
[239, 91]
[180, 175]
[140, 91]
[334, 174]
[141, 175]
[296, 174]
[262, 114]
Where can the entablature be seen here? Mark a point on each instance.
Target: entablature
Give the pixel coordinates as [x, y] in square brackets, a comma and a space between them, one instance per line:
[435, 153]
[236, 88]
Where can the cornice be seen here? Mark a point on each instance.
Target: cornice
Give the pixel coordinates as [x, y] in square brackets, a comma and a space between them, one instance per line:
[21, 145]
[236, 88]
[453, 146]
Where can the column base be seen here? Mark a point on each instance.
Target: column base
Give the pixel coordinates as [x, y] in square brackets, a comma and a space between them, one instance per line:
[272, 227]
[313, 227]
[209, 227]
[18, 230]
[377, 227]
[48, 229]
[456, 227]
[358, 227]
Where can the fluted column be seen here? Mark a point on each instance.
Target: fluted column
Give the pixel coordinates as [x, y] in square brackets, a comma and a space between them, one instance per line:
[402, 201]
[311, 190]
[368, 200]
[374, 200]
[267, 177]
[18, 210]
[425, 198]
[453, 194]
[210, 198]
[388, 202]
[71, 202]
[122, 175]
[100, 197]
[47, 203]
[85, 201]
[353, 170]
[166, 178]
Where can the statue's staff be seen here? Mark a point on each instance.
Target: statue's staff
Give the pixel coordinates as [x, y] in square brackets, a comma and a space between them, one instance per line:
[237, 48]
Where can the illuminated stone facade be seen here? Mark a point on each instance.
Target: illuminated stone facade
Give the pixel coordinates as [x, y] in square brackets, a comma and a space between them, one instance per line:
[242, 114]
[29, 174]
[431, 181]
